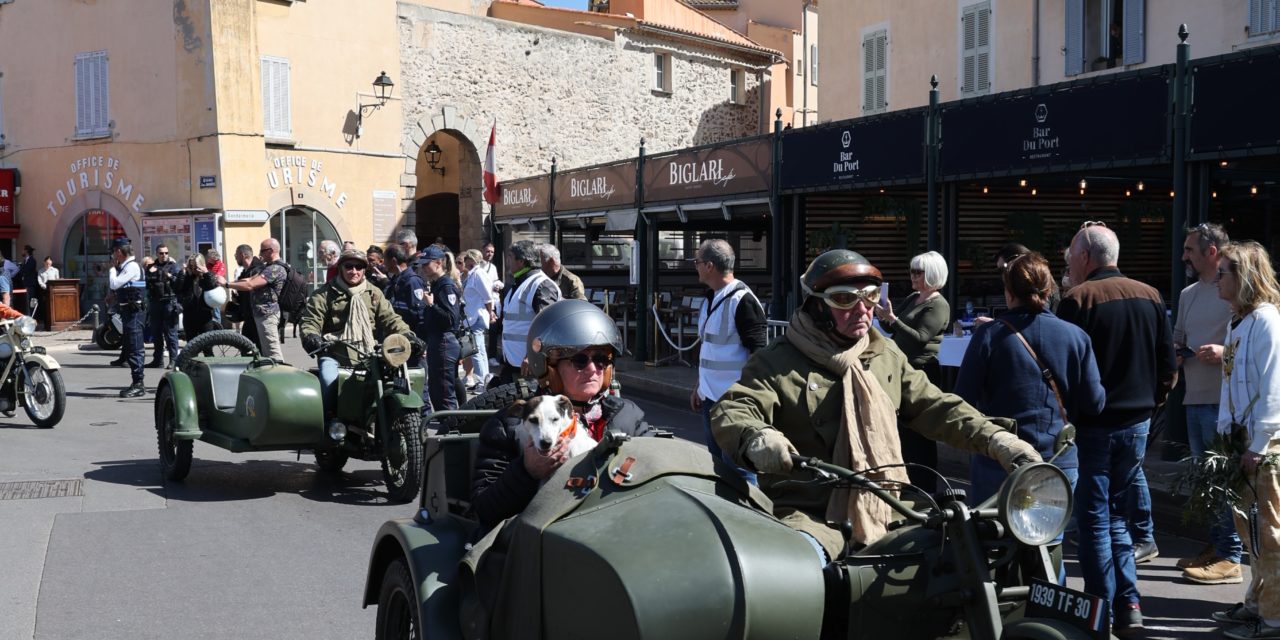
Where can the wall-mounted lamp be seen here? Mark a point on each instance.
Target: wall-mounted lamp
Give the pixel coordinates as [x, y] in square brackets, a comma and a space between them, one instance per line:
[433, 157]
[382, 86]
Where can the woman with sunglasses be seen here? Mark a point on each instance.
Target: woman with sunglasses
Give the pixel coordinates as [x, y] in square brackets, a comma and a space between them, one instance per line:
[571, 348]
[917, 329]
[1249, 415]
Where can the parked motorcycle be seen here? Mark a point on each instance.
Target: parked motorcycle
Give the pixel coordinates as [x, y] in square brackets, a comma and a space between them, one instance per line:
[653, 538]
[107, 335]
[31, 377]
[223, 392]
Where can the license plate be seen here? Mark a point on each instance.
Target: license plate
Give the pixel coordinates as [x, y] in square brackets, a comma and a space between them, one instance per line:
[1077, 608]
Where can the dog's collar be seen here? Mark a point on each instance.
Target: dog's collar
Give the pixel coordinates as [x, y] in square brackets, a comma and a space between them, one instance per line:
[571, 430]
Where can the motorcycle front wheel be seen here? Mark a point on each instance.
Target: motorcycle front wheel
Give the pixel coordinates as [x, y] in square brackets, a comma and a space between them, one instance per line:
[46, 397]
[404, 445]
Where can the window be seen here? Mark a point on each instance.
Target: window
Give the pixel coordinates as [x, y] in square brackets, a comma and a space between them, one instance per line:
[92, 104]
[813, 64]
[1103, 34]
[975, 57]
[662, 72]
[875, 72]
[1264, 17]
[276, 120]
[737, 86]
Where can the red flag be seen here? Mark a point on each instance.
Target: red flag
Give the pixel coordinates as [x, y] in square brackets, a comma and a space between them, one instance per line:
[491, 169]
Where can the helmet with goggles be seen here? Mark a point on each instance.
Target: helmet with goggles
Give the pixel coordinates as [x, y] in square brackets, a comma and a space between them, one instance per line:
[842, 278]
[562, 331]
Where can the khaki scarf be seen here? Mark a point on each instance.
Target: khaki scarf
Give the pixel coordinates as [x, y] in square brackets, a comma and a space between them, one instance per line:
[358, 329]
[868, 435]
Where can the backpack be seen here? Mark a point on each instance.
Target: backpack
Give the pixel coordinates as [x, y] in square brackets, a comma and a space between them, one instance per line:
[293, 295]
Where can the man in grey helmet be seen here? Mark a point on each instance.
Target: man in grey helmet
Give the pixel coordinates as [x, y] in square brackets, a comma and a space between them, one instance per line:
[833, 389]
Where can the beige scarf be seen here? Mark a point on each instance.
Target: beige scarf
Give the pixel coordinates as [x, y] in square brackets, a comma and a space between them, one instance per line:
[868, 434]
[358, 329]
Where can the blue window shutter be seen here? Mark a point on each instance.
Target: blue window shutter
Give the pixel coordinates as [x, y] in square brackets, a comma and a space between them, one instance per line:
[1075, 37]
[1135, 31]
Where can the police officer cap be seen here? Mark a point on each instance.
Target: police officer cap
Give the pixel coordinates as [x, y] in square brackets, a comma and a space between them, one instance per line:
[430, 253]
[122, 241]
[839, 266]
[353, 255]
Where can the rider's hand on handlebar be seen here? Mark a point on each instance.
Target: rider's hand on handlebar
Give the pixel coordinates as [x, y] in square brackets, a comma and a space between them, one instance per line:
[541, 466]
[771, 452]
[1011, 451]
[416, 344]
[312, 342]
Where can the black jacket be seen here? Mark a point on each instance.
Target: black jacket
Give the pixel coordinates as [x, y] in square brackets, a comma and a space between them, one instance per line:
[501, 487]
[197, 317]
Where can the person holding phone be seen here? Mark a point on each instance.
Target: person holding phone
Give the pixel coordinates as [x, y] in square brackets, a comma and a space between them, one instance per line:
[1198, 336]
[917, 329]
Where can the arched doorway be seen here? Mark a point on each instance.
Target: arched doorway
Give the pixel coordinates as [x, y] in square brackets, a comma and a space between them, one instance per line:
[86, 253]
[437, 220]
[300, 231]
[449, 191]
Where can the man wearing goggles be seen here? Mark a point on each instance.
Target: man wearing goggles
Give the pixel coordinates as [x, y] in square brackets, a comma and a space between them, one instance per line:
[834, 389]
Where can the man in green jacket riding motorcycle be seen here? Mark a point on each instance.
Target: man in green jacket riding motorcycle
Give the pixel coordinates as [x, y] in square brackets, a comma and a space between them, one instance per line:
[834, 389]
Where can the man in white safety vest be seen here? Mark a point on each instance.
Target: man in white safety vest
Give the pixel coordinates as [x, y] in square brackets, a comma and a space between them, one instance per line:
[732, 326]
[529, 291]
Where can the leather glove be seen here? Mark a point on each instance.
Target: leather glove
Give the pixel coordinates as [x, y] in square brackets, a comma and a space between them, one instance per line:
[416, 344]
[770, 452]
[1010, 451]
[312, 342]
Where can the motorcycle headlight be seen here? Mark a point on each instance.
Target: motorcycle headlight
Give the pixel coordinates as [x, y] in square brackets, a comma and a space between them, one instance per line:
[1035, 503]
[337, 431]
[26, 325]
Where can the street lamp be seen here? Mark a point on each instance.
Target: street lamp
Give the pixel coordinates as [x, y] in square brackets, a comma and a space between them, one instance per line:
[382, 86]
[433, 157]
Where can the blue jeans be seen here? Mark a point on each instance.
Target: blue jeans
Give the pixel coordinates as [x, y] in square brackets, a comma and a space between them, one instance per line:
[1141, 527]
[480, 361]
[715, 449]
[1110, 461]
[1202, 426]
[164, 330]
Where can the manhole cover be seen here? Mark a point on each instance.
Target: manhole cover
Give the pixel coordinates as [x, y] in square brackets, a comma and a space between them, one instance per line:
[41, 489]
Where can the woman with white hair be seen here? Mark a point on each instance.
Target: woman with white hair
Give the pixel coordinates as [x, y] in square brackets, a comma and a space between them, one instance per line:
[917, 329]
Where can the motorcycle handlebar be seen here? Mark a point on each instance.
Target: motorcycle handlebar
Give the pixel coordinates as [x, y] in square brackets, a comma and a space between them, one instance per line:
[826, 468]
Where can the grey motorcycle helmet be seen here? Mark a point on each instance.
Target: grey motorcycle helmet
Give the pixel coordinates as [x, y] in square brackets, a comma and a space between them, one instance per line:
[562, 330]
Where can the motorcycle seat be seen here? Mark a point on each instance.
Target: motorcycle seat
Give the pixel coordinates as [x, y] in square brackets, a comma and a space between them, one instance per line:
[224, 382]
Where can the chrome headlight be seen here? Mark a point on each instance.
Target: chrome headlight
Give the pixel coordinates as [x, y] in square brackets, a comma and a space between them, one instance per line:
[26, 325]
[1035, 503]
[337, 431]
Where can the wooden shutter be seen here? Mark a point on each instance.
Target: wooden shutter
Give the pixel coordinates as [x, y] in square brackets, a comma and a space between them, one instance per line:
[969, 46]
[92, 100]
[276, 120]
[1135, 31]
[1263, 16]
[881, 46]
[1075, 37]
[813, 64]
[869, 73]
[983, 50]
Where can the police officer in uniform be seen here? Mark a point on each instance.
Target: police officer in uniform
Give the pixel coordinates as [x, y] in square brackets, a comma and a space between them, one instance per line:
[408, 296]
[163, 307]
[128, 288]
[441, 322]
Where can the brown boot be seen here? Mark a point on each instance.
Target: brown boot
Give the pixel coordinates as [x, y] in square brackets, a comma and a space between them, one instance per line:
[1216, 571]
[1206, 554]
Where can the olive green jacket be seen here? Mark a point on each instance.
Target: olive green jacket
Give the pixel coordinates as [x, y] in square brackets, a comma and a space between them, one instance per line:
[782, 389]
[325, 314]
[570, 286]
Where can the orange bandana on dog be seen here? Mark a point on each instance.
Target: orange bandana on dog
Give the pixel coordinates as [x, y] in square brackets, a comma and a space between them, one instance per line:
[571, 430]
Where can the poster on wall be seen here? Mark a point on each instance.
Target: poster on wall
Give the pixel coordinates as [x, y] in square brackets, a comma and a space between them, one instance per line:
[205, 233]
[171, 232]
[384, 216]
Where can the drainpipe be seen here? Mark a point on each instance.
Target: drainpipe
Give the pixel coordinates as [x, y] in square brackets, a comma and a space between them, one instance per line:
[804, 53]
[1035, 45]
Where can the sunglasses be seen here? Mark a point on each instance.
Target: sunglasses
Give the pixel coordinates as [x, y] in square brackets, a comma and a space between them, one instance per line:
[162, 253]
[581, 360]
[353, 266]
[848, 297]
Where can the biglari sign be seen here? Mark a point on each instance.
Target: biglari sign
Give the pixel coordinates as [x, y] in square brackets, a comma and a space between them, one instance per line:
[742, 167]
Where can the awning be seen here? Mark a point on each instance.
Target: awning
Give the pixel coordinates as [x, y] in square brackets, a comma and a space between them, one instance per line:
[727, 209]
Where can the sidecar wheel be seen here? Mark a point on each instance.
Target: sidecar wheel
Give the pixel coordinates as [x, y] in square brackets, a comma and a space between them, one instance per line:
[405, 440]
[106, 337]
[47, 397]
[398, 615]
[216, 343]
[496, 398]
[331, 461]
[175, 455]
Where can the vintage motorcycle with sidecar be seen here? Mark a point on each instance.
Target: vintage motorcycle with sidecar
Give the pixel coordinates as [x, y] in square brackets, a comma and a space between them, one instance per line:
[29, 377]
[223, 392]
[653, 538]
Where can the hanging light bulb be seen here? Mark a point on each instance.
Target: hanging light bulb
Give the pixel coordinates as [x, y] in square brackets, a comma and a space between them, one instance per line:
[1033, 191]
[1082, 192]
[1253, 190]
[1084, 184]
[984, 190]
[1215, 194]
[1222, 164]
[1022, 182]
[1171, 193]
[1141, 186]
[882, 191]
[1127, 193]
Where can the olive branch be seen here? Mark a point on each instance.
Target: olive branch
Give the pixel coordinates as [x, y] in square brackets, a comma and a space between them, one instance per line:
[1215, 480]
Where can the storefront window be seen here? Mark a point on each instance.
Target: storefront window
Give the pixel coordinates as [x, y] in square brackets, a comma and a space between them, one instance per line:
[87, 254]
[300, 231]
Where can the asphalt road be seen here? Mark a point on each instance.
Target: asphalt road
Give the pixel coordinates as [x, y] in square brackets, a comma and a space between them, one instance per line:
[255, 545]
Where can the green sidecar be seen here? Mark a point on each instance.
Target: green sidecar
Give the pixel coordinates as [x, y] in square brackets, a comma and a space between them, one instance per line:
[221, 391]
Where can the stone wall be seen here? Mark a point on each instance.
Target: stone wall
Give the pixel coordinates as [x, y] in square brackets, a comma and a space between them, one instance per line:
[579, 99]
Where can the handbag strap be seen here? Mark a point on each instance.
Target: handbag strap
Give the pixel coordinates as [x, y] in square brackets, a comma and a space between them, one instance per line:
[1044, 371]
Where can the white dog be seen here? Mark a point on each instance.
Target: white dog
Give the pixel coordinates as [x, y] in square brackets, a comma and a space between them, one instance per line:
[546, 420]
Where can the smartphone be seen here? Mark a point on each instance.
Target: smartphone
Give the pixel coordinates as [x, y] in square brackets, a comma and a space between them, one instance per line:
[1185, 352]
[884, 294]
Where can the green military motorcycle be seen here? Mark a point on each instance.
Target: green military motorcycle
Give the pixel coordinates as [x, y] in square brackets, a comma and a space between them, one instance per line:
[223, 392]
[652, 538]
